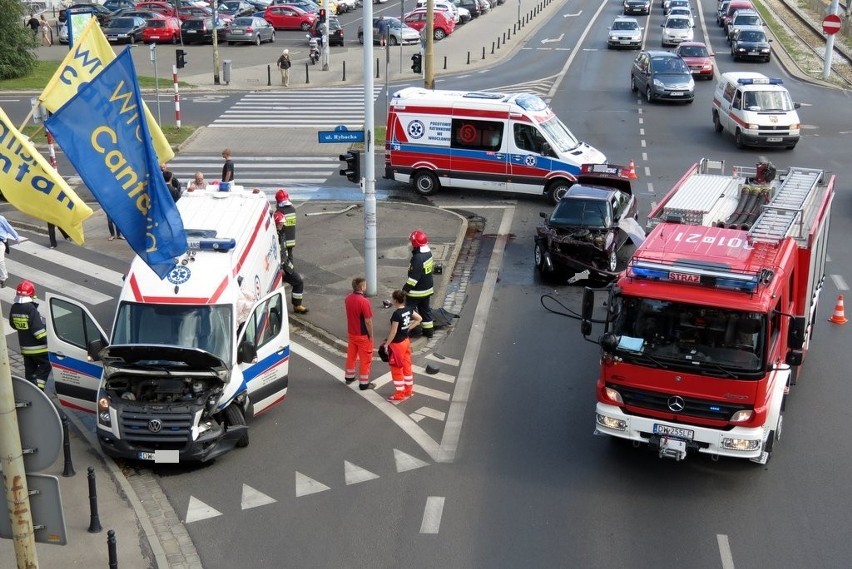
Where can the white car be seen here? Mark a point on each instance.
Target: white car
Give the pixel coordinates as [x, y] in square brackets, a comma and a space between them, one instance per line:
[624, 32]
[675, 30]
[686, 12]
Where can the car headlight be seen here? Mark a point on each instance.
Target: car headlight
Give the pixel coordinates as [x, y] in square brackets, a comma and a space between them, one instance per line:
[742, 416]
[659, 84]
[613, 395]
[611, 422]
[753, 126]
[103, 411]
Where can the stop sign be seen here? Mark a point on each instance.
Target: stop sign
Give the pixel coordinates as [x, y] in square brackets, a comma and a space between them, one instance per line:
[831, 24]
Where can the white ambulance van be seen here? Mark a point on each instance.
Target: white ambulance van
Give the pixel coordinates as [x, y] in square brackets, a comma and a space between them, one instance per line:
[191, 356]
[757, 110]
[483, 141]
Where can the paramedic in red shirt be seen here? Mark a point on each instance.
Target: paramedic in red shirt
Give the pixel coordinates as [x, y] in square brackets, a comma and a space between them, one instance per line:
[359, 324]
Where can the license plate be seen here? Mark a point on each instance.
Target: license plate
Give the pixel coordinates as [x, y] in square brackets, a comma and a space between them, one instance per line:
[112, 38]
[192, 31]
[238, 32]
[625, 42]
[773, 139]
[754, 53]
[677, 94]
[146, 456]
[677, 432]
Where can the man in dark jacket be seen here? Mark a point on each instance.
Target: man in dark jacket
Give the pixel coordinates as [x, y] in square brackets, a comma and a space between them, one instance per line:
[291, 276]
[285, 206]
[32, 334]
[418, 286]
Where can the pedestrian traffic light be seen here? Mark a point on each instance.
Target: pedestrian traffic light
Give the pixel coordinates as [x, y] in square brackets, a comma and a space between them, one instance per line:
[352, 171]
[180, 58]
[417, 63]
[322, 16]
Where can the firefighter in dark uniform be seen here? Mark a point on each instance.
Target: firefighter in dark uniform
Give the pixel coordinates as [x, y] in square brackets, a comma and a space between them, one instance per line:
[291, 276]
[283, 205]
[418, 287]
[32, 334]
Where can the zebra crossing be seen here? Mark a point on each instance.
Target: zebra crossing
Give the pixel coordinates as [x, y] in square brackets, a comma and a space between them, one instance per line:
[298, 108]
[265, 172]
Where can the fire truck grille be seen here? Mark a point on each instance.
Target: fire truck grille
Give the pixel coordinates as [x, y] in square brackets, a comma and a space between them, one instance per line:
[165, 431]
[666, 403]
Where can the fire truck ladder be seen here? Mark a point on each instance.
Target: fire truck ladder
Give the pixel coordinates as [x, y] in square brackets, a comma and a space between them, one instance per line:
[786, 206]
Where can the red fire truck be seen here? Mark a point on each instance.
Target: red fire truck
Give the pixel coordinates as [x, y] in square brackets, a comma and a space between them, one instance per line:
[706, 328]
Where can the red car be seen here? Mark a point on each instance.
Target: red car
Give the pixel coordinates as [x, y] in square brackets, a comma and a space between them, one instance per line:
[187, 12]
[698, 58]
[443, 25]
[289, 18]
[159, 7]
[162, 30]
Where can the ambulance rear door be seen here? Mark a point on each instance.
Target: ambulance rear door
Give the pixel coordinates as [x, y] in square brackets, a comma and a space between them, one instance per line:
[71, 332]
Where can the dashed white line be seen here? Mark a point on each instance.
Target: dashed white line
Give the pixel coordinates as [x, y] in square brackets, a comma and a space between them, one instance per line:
[431, 413]
[432, 515]
[725, 552]
[839, 282]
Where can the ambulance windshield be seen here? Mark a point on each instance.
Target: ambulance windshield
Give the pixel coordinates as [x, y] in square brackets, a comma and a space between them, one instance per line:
[709, 340]
[563, 140]
[205, 327]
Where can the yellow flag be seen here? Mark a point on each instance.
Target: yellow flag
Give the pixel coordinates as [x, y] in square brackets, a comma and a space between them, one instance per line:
[34, 187]
[88, 57]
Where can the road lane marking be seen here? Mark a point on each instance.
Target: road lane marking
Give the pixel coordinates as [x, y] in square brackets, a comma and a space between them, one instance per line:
[839, 282]
[305, 485]
[432, 515]
[429, 392]
[253, 498]
[405, 462]
[46, 280]
[198, 510]
[431, 413]
[354, 474]
[725, 551]
[439, 375]
[443, 359]
[66, 260]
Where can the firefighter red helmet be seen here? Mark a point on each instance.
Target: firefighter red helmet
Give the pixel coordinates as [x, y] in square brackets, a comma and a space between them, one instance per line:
[278, 217]
[418, 238]
[26, 288]
[282, 196]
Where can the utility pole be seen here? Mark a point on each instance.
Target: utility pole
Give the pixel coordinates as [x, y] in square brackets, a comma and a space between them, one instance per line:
[326, 47]
[14, 476]
[429, 67]
[370, 216]
[215, 43]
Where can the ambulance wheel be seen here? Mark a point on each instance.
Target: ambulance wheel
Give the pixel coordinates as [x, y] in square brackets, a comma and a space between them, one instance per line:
[717, 124]
[738, 139]
[425, 183]
[557, 190]
[234, 417]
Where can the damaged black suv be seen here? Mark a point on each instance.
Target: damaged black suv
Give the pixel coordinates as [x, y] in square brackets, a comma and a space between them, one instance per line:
[595, 218]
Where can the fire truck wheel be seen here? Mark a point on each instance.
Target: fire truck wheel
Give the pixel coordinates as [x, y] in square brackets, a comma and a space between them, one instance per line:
[425, 183]
[557, 190]
[774, 436]
[234, 417]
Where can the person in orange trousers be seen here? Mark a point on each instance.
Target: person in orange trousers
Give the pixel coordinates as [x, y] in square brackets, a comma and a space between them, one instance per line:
[359, 324]
[403, 319]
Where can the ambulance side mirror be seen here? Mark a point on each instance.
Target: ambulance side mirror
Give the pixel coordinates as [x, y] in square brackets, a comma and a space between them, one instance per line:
[247, 352]
[94, 348]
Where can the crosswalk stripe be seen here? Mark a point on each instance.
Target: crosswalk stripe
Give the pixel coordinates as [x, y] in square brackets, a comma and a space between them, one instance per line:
[429, 392]
[265, 172]
[70, 261]
[440, 376]
[81, 293]
[431, 413]
[443, 359]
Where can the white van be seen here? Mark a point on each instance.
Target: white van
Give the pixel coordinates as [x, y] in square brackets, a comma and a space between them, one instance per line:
[482, 141]
[191, 356]
[757, 110]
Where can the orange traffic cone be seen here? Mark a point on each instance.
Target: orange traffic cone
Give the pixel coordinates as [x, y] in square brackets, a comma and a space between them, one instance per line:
[632, 173]
[838, 317]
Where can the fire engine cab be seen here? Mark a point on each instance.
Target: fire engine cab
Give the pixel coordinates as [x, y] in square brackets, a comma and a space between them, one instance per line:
[706, 328]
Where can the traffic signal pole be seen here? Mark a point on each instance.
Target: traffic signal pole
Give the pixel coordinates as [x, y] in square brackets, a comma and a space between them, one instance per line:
[429, 56]
[370, 219]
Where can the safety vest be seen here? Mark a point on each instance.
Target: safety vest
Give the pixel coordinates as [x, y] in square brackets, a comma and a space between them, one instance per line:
[32, 334]
[289, 224]
[420, 281]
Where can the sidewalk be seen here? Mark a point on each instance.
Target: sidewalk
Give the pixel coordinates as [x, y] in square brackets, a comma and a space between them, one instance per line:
[330, 245]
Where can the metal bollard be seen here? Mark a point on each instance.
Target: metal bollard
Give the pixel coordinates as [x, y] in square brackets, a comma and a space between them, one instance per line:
[111, 548]
[344, 70]
[468, 58]
[483, 52]
[508, 34]
[66, 448]
[268, 75]
[504, 37]
[378, 69]
[307, 74]
[492, 48]
[95, 522]
[514, 28]
[498, 43]
[445, 62]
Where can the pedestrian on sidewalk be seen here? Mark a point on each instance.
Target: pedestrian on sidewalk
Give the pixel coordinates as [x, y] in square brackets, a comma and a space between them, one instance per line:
[114, 233]
[291, 276]
[419, 286]
[285, 206]
[383, 27]
[398, 347]
[7, 233]
[227, 171]
[284, 65]
[51, 235]
[359, 327]
[32, 334]
[46, 33]
[34, 24]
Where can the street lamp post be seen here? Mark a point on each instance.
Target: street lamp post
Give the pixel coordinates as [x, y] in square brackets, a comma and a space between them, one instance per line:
[215, 43]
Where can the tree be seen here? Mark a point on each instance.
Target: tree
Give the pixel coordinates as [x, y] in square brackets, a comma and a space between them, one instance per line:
[17, 43]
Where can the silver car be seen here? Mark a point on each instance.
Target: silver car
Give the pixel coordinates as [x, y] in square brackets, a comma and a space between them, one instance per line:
[675, 30]
[398, 33]
[624, 32]
[250, 29]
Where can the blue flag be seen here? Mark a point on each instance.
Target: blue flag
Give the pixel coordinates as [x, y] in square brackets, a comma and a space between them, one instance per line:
[103, 132]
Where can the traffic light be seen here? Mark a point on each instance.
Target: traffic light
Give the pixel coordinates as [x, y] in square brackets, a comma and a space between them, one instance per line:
[352, 171]
[180, 58]
[417, 63]
[322, 16]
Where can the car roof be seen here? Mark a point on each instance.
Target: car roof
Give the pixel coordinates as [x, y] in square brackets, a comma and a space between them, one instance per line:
[692, 44]
[590, 192]
[751, 29]
[625, 19]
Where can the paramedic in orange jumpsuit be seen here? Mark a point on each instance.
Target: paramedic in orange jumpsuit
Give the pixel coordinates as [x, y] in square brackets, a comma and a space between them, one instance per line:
[403, 319]
[359, 324]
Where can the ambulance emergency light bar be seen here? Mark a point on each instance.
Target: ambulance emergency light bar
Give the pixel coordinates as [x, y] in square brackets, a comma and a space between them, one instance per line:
[760, 81]
[212, 244]
[694, 275]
